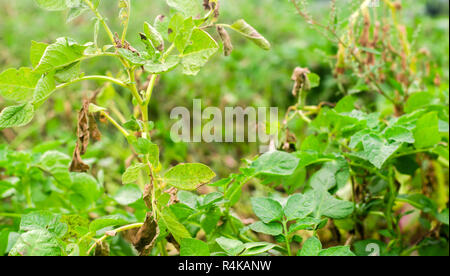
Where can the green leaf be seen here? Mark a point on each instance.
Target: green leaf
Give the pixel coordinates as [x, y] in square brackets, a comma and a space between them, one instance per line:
[275, 163]
[376, 150]
[132, 57]
[68, 73]
[86, 190]
[189, 176]
[158, 68]
[307, 223]
[132, 173]
[426, 133]
[337, 251]
[193, 247]
[399, 134]
[298, 206]
[44, 89]
[331, 174]
[418, 100]
[314, 80]
[16, 116]
[242, 27]
[177, 229]
[53, 5]
[267, 209]
[18, 85]
[273, 228]
[36, 52]
[443, 216]
[256, 248]
[128, 194]
[43, 220]
[38, 242]
[196, 55]
[326, 205]
[187, 7]
[231, 246]
[108, 221]
[62, 53]
[311, 247]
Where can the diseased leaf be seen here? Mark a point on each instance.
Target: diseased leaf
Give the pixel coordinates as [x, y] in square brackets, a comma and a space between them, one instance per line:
[196, 55]
[18, 85]
[38, 242]
[44, 220]
[16, 116]
[189, 176]
[242, 27]
[166, 66]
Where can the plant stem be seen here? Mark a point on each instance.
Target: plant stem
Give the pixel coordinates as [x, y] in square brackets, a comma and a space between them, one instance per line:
[95, 77]
[113, 233]
[132, 86]
[117, 125]
[102, 20]
[286, 237]
[10, 215]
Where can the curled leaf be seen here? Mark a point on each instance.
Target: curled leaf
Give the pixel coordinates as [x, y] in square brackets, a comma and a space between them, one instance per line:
[146, 236]
[300, 77]
[242, 27]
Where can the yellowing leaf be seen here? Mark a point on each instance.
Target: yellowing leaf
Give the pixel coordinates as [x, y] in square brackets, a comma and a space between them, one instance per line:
[189, 176]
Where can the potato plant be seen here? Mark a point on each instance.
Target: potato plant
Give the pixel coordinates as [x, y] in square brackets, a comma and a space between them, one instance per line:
[346, 189]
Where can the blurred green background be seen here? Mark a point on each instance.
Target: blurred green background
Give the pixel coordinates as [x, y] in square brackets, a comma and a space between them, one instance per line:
[249, 77]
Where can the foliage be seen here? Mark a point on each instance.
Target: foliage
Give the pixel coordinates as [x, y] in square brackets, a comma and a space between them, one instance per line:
[341, 180]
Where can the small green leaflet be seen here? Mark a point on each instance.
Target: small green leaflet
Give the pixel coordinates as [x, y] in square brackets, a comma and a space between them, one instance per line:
[275, 163]
[242, 27]
[108, 221]
[18, 85]
[16, 116]
[36, 52]
[177, 229]
[132, 173]
[189, 176]
[376, 150]
[162, 67]
[427, 132]
[325, 205]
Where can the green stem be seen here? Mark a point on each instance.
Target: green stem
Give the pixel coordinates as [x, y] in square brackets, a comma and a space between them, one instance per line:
[117, 125]
[132, 86]
[102, 20]
[286, 237]
[10, 215]
[114, 232]
[100, 78]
